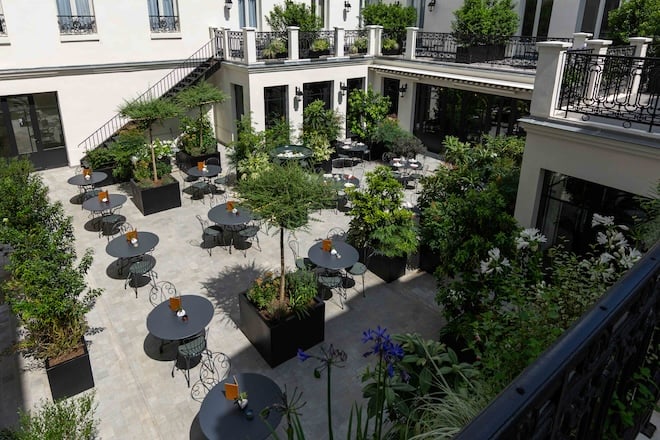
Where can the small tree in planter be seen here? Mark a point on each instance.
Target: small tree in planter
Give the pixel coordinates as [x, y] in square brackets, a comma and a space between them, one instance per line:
[320, 129]
[365, 111]
[379, 224]
[197, 137]
[293, 14]
[284, 196]
[393, 17]
[47, 288]
[397, 140]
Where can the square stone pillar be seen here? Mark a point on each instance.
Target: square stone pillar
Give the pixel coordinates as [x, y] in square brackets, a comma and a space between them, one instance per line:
[293, 32]
[580, 40]
[375, 43]
[339, 41]
[411, 43]
[249, 45]
[548, 77]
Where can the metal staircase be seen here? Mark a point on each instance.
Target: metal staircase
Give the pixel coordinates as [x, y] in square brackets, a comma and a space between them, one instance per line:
[200, 65]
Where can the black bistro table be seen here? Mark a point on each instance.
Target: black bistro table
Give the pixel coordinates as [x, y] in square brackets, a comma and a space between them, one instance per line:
[291, 152]
[355, 150]
[164, 324]
[221, 419]
[96, 206]
[221, 216]
[346, 255]
[80, 181]
[121, 249]
[211, 171]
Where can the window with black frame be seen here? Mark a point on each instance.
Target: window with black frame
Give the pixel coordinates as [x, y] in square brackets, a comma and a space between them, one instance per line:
[275, 105]
[163, 15]
[76, 17]
[318, 90]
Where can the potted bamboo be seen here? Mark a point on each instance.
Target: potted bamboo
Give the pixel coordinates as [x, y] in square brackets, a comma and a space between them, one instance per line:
[281, 313]
[320, 130]
[46, 287]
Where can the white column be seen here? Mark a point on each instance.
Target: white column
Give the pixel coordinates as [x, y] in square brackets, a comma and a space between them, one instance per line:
[548, 77]
[249, 45]
[580, 40]
[641, 45]
[374, 46]
[598, 47]
[293, 42]
[411, 43]
[339, 41]
[225, 43]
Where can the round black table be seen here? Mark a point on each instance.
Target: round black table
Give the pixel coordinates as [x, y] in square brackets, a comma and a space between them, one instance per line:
[93, 204]
[325, 259]
[220, 418]
[221, 216]
[119, 247]
[342, 180]
[211, 171]
[164, 324]
[291, 152]
[79, 179]
[405, 164]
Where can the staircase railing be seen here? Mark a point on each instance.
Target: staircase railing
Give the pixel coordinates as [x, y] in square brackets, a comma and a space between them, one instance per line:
[210, 50]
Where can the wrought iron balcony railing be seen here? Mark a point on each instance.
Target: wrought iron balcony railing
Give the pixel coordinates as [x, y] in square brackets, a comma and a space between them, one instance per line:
[236, 45]
[308, 43]
[610, 86]
[164, 23]
[271, 45]
[76, 24]
[567, 391]
[3, 27]
[355, 42]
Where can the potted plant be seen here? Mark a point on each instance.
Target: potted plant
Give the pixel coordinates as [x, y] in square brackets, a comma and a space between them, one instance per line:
[320, 129]
[279, 313]
[383, 230]
[197, 141]
[46, 288]
[482, 28]
[394, 19]
[391, 47]
[365, 111]
[319, 47]
[359, 45]
[155, 190]
[100, 159]
[277, 48]
[396, 140]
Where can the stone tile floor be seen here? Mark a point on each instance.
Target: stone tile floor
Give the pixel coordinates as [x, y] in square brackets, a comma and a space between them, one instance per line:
[137, 398]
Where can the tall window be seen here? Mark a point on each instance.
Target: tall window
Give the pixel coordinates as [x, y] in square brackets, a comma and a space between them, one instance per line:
[76, 17]
[3, 28]
[237, 97]
[391, 90]
[318, 8]
[317, 90]
[594, 16]
[274, 104]
[536, 18]
[163, 15]
[247, 13]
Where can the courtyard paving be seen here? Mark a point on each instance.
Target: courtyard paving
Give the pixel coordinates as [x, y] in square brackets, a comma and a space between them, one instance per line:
[136, 395]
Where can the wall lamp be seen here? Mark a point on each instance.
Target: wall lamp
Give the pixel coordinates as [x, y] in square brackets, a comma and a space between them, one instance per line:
[347, 6]
[403, 89]
[299, 92]
[228, 4]
[343, 87]
[431, 5]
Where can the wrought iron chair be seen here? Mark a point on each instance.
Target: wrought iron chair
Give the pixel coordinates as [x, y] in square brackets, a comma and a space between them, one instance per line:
[189, 350]
[250, 234]
[211, 235]
[359, 269]
[336, 234]
[213, 369]
[332, 281]
[162, 291]
[302, 263]
[110, 224]
[139, 267]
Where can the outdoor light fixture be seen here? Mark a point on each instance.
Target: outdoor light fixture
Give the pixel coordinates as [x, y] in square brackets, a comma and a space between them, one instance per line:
[299, 92]
[228, 4]
[347, 6]
[431, 5]
[403, 89]
[343, 88]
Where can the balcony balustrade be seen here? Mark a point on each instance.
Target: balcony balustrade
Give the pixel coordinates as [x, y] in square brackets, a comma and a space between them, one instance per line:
[164, 23]
[76, 24]
[3, 26]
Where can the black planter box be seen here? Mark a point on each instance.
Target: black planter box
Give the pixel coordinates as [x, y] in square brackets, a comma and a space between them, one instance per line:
[318, 53]
[428, 260]
[156, 199]
[325, 166]
[480, 54]
[279, 342]
[391, 51]
[71, 377]
[387, 269]
[185, 161]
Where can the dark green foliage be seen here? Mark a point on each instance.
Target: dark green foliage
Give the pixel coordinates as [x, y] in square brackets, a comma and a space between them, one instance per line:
[47, 288]
[150, 111]
[484, 22]
[126, 145]
[247, 140]
[278, 134]
[647, 226]
[199, 95]
[100, 157]
[393, 17]
[191, 130]
[635, 18]
[365, 111]
[293, 14]
[319, 121]
[400, 142]
[70, 419]
[378, 220]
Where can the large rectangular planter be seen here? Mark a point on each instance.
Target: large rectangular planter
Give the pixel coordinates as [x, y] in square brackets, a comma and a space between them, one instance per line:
[156, 199]
[70, 377]
[428, 260]
[480, 54]
[279, 342]
[185, 161]
[387, 269]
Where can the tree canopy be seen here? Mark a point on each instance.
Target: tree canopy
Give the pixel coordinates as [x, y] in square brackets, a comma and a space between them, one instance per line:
[293, 14]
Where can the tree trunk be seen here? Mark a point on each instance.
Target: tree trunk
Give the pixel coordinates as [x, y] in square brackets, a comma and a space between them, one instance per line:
[282, 274]
[153, 155]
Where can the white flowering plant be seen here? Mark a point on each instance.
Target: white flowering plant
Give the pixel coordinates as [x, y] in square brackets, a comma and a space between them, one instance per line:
[511, 308]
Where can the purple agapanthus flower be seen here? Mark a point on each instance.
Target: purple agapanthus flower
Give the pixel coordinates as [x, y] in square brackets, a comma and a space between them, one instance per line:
[383, 346]
[302, 355]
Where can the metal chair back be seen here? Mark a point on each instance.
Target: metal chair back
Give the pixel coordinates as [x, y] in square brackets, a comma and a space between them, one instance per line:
[162, 291]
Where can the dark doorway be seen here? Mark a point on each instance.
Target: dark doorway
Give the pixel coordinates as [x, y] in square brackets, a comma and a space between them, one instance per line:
[391, 90]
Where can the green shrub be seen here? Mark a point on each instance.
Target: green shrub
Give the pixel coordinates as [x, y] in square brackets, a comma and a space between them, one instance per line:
[71, 419]
[189, 140]
[293, 14]
[393, 17]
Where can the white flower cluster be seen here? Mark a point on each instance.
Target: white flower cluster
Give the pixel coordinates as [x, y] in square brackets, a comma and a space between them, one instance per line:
[531, 239]
[617, 253]
[496, 262]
